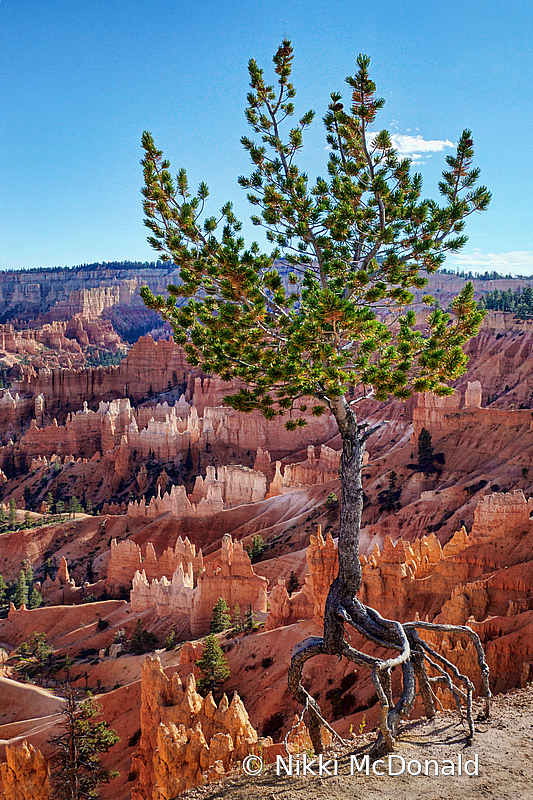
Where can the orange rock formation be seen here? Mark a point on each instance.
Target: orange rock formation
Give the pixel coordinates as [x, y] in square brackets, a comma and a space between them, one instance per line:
[230, 576]
[166, 597]
[25, 774]
[497, 514]
[310, 600]
[305, 473]
[185, 737]
[127, 558]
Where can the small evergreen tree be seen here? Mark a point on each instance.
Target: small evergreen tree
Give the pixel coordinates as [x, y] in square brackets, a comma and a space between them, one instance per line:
[213, 666]
[250, 620]
[237, 619]
[3, 587]
[78, 773]
[12, 513]
[188, 463]
[35, 598]
[257, 548]
[170, 641]
[3, 515]
[28, 570]
[331, 501]
[49, 502]
[142, 641]
[221, 616]
[32, 656]
[425, 452]
[73, 507]
[391, 495]
[293, 583]
[20, 596]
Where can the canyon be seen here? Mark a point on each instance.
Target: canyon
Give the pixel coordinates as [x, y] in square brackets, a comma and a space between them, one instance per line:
[177, 489]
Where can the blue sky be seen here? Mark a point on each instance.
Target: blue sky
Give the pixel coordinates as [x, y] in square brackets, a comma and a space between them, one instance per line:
[81, 79]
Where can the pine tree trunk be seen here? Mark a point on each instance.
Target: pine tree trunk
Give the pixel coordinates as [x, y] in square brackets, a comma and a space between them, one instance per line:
[348, 581]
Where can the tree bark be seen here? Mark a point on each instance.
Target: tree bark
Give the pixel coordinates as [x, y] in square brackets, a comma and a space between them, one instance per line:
[348, 581]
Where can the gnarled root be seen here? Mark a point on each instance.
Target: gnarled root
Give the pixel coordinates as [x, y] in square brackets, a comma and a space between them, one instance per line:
[414, 657]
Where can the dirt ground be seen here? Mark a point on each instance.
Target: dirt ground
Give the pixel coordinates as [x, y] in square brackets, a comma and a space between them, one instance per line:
[504, 746]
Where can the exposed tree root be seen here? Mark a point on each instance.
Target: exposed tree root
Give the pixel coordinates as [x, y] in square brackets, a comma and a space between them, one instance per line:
[415, 655]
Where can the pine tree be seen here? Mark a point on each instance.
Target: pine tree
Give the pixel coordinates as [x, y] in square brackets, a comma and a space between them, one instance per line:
[32, 656]
[213, 666]
[3, 587]
[142, 641]
[257, 548]
[12, 513]
[28, 571]
[237, 619]
[391, 495]
[425, 452]
[20, 596]
[250, 620]
[78, 773]
[35, 598]
[293, 583]
[332, 322]
[74, 506]
[221, 617]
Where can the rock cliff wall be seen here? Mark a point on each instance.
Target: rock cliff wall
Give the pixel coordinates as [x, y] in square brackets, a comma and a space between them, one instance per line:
[59, 294]
[149, 368]
[303, 473]
[499, 513]
[222, 488]
[127, 558]
[166, 597]
[230, 576]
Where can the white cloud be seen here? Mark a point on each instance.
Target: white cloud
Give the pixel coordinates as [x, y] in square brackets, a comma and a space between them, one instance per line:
[415, 147]
[514, 261]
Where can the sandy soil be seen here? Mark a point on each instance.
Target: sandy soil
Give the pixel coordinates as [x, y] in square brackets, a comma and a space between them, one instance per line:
[504, 747]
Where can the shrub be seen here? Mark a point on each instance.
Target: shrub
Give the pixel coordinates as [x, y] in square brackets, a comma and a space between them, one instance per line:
[331, 501]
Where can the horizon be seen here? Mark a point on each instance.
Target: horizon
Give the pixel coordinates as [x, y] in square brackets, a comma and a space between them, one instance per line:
[81, 84]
